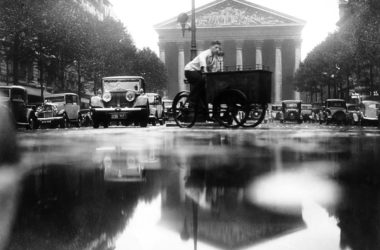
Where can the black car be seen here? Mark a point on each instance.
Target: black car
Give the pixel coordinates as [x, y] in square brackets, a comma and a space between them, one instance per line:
[15, 99]
[291, 111]
[122, 102]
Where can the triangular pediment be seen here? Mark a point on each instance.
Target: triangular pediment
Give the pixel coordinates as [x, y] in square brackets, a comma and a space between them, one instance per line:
[235, 13]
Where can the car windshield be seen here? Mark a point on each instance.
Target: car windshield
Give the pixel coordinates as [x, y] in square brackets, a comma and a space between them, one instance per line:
[291, 105]
[276, 108]
[306, 107]
[121, 85]
[168, 104]
[336, 104]
[55, 99]
[151, 98]
[4, 92]
[353, 108]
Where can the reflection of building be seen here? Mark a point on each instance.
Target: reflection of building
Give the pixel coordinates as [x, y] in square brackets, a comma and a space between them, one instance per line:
[251, 35]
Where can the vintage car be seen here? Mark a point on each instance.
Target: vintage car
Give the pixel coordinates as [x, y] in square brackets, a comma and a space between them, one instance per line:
[307, 112]
[120, 164]
[291, 111]
[156, 109]
[275, 111]
[335, 111]
[67, 105]
[369, 112]
[15, 99]
[123, 101]
[354, 115]
[47, 115]
[168, 109]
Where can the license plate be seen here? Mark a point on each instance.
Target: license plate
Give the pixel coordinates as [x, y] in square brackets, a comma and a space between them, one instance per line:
[118, 116]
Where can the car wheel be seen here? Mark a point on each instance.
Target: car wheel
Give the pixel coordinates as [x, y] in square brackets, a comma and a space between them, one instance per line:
[32, 123]
[105, 125]
[162, 122]
[95, 124]
[154, 122]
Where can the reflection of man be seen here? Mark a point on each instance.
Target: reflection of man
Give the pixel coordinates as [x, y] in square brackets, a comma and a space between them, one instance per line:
[206, 61]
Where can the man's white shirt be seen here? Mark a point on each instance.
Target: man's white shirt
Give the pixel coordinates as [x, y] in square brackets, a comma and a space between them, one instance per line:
[205, 59]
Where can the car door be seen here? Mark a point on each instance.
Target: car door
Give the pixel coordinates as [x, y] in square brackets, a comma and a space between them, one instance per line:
[18, 100]
[69, 106]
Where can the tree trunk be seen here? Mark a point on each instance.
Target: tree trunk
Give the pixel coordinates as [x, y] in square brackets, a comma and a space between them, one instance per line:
[348, 86]
[15, 59]
[371, 79]
[321, 95]
[79, 80]
[329, 89]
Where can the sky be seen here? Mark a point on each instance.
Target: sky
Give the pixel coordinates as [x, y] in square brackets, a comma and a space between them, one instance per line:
[139, 16]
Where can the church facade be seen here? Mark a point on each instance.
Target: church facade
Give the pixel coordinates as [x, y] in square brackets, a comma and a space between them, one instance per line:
[252, 36]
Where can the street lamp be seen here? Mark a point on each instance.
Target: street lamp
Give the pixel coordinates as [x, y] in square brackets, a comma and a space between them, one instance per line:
[182, 20]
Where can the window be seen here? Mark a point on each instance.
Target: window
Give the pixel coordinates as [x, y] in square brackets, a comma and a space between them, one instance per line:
[69, 99]
[18, 94]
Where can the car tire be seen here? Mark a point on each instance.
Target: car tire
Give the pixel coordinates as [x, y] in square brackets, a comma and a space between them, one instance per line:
[32, 123]
[105, 125]
[95, 124]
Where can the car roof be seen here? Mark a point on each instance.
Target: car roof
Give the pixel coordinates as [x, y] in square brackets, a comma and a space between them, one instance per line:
[12, 87]
[370, 101]
[151, 94]
[289, 101]
[125, 77]
[335, 100]
[60, 94]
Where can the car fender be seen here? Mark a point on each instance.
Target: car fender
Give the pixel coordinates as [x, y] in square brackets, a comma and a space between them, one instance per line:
[30, 114]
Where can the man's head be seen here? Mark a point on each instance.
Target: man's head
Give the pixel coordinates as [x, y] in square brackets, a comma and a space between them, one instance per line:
[215, 47]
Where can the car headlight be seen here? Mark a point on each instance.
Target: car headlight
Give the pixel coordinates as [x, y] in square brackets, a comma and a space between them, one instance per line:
[107, 97]
[130, 96]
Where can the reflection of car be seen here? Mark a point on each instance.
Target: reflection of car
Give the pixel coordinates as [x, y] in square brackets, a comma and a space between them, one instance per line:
[67, 105]
[291, 111]
[369, 111]
[275, 111]
[121, 165]
[47, 115]
[15, 99]
[168, 111]
[123, 101]
[336, 111]
[353, 114]
[156, 109]
[307, 112]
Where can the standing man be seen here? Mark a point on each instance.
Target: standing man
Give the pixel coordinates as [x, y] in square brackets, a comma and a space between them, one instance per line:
[206, 61]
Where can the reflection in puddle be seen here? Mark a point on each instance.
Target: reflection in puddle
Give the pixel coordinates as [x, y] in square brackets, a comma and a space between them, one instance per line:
[212, 190]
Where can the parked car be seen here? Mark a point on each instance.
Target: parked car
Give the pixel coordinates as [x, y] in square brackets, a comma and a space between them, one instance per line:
[123, 101]
[307, 112]
[336, 111]
[369, 112]
[275, 111]
[354, 114]
[156, 109]
[168, 109]
[15, 100]
[68, 107]
[291, 111]
[47, 115]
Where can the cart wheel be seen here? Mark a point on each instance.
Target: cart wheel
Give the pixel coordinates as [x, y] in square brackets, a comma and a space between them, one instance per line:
[228, 108]
[184, 114]
[254, 115]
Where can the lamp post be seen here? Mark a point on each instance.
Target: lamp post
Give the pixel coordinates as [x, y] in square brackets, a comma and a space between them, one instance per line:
[182, 20]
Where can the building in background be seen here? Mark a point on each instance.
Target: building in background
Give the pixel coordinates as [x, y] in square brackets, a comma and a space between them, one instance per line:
[99, 8]
[251, 36]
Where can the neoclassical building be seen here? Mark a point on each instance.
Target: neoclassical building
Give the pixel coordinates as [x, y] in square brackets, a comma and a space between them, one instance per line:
[251, 35]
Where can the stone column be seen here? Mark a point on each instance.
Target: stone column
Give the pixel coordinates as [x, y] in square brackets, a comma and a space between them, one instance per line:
[181, 67]
[298, 42]
[162, 52]
[239, 54]
[278, 72]
[259, 53]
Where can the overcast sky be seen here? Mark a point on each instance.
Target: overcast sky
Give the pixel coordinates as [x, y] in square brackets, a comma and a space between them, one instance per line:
[139, 16]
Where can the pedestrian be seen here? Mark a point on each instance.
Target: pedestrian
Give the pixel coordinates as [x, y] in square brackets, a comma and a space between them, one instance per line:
[206, 61]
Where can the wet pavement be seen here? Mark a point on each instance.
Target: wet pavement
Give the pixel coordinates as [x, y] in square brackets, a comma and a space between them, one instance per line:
[276, 187]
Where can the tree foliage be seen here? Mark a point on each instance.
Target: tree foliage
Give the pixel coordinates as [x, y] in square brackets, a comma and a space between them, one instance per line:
[348, 59]
[65, 39]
